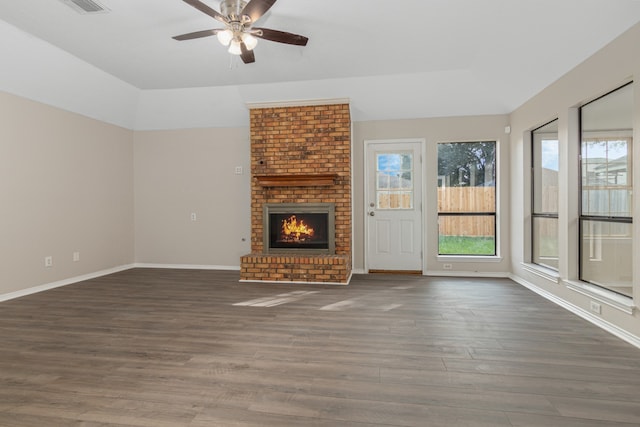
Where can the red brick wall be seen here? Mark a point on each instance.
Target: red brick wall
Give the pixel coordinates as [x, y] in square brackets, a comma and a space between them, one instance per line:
[293, 141]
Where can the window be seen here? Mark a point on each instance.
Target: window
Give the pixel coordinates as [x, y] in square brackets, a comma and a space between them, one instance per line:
[544, 212]
[606, 191]
[467, 198]
[394, 180]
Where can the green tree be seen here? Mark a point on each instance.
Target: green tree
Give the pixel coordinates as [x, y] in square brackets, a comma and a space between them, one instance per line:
[467, 164]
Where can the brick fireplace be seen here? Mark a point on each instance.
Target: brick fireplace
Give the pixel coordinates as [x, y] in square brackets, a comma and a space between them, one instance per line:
[300, 158]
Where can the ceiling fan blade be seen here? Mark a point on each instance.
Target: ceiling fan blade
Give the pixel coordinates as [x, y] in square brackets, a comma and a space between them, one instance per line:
[280, 36]
[256, 8]
[206, 9]
[196, 35]
[247, 55]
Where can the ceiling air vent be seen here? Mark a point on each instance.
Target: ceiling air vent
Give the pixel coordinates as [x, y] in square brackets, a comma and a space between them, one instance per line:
[85, 6]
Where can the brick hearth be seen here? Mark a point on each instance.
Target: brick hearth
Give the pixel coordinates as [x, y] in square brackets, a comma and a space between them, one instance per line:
[300, 154]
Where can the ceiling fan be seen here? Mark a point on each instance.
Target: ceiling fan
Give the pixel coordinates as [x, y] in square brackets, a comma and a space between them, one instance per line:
[239, 34]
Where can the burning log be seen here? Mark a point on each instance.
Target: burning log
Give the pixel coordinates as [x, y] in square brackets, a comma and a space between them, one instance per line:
[294, 231]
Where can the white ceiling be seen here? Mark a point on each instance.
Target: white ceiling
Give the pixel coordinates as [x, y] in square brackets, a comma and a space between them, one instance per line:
[459, 57]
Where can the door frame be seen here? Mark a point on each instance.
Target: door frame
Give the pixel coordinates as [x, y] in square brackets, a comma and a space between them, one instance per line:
[367, 187]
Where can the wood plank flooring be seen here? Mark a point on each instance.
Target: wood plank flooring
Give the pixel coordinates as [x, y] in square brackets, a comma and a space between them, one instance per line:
[151, 347]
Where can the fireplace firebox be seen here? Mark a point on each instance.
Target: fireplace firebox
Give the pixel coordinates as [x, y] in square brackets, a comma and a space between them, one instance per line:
[299, 228]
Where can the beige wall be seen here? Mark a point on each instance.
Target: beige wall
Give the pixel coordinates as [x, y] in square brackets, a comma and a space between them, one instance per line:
[608, 69]
[65, 186]
[181, 172]
[70, 183]
[185, 171]
[434, 130]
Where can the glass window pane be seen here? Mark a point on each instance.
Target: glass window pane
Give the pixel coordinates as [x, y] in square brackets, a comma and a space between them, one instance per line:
[606, 180]
[466, 235]
[545, 168]
[407, 180]
[606, 190]
[606, 255]
[383, 180]
[606, 148]
[406, 162]
[467, 164]
[381, 162]
[394, 180]
[383, 200]
[545, 242]
[467, 199]
[388, 161]
[598, 202]
[619, 202]
[395, 200]
[406, 200]
[467, 184]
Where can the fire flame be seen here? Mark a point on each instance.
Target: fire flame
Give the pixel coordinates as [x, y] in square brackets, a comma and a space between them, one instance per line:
[294, 230]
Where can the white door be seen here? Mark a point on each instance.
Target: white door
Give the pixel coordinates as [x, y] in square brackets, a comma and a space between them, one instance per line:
[393, 211]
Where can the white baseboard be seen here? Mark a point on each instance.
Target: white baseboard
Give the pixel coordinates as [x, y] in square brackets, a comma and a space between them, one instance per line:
[601, 323]
[448, 273]
[484, 274]
[188, 266]
[64, 282]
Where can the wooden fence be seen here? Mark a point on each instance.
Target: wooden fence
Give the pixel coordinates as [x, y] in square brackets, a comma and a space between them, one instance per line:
[467, 199]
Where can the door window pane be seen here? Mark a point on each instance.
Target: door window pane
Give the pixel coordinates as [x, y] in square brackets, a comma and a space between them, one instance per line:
[394, 180]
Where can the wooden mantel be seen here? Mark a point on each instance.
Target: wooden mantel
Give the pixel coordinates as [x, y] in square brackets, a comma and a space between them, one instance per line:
[297, 180]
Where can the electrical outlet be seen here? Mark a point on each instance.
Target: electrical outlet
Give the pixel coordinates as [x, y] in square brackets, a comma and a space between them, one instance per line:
[447, 266]
[48, 261]
[238, 170]
[76, 256]
[595, 307]
[194, 217]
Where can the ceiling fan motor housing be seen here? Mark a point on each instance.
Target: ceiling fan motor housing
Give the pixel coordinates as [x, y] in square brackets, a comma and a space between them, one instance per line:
[238, 17]
[232, 8]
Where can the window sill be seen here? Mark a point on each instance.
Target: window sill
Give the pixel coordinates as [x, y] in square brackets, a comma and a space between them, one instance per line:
[469, 258]
[620, 302]
[540, 271]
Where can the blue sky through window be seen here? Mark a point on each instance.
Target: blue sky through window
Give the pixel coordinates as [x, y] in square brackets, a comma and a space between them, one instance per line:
[389, 162]
[549, 154]
[612, 150]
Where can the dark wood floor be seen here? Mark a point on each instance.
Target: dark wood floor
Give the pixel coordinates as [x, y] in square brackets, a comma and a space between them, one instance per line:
[157, 348]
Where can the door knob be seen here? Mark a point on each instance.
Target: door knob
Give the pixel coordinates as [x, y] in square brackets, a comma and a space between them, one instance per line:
[372, 213]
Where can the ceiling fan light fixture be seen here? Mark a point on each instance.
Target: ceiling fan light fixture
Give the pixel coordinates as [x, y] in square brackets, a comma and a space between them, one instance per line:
[225, 37]
[238, 34]
[234, 48]
[249, 41]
